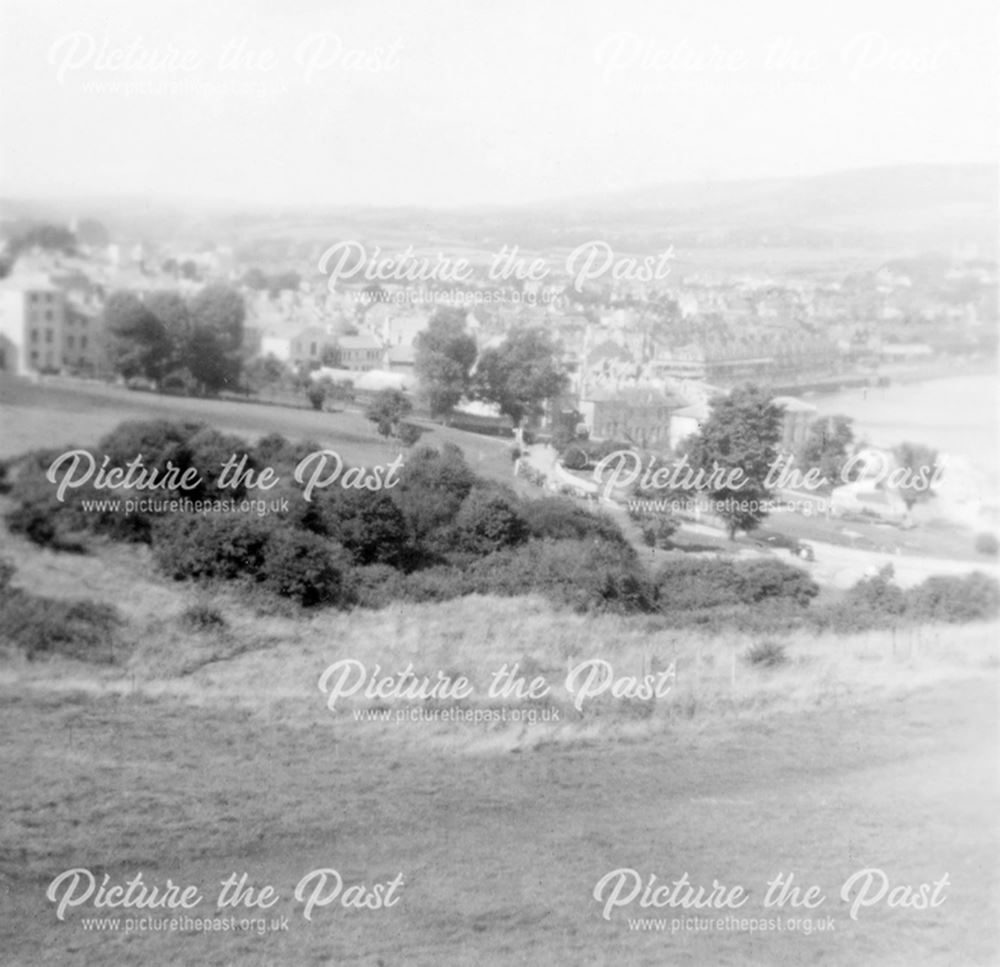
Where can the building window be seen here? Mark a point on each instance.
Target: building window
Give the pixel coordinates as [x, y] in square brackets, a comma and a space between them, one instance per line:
[312, 349]
[34, 355]
[69, 342]
[48, 315]
[83, 342]
[48, 296]
[34, 335]
[33, 297]
[48, 335]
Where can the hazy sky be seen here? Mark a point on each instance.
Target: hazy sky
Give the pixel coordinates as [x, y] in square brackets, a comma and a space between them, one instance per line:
[389, 102]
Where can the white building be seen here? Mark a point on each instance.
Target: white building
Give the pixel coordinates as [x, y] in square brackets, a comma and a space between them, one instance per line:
[32, 323]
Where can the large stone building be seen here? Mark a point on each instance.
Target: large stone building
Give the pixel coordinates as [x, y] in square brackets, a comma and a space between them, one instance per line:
[639, 415]
[32, 325]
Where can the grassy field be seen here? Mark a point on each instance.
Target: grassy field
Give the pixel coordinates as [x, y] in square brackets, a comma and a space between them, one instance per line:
[207, 753]
[61, 412]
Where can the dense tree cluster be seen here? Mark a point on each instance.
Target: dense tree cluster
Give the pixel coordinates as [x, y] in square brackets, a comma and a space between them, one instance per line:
[183, 344]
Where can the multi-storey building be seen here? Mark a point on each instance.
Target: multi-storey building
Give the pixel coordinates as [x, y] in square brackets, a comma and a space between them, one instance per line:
[32, 324]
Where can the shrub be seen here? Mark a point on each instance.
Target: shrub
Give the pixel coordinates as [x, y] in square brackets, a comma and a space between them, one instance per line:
[488, 521]
[376, 586]
[409, 434]
[185, 445]
[872, 602]
[306, 568]
[955, 600]
[774, 579]
[574, 458]
[46, 626]
[658, 532]
[316, 394]
[431, 488]
[987, 544]
[768, 654]
[695, 584]
[687, 584]
[213, 546]
[203, 617]
[440, 583]
[586, 575]
[560, 519]
[368, 524]
[37, 513]
[283, 455]
[876, 595]
[34, 521]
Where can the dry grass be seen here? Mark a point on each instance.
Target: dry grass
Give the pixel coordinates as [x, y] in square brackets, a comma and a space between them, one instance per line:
[272, 662]
[211, 751]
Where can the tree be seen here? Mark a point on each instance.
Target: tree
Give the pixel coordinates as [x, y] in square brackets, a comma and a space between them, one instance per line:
[213, 349]
[431, 488]
[138, 344]
[173, 314]
[55, 238]
[211, 366]
[922, 463]
[445, 353]
[409, 434]
[387, 410]
[264, 372]
[827, 446]
[221, 309]
[520, 374]
[741, 433]
[316, 394]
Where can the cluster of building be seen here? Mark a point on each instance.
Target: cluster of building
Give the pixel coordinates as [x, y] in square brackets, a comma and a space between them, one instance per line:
[52, 307]
[643, 363]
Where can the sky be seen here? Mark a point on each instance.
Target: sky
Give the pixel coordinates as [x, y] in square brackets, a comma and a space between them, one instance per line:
[389, 102]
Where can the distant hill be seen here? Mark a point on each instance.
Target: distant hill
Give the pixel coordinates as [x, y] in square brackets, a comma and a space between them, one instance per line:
[915, 206]
[901, 210]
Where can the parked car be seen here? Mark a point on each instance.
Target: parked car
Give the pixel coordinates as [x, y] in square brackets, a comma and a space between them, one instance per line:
[782, 542]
